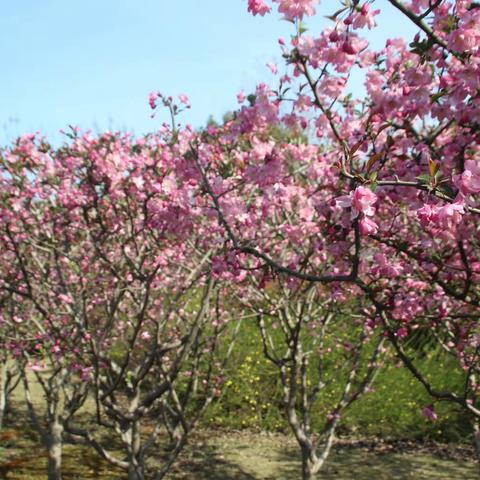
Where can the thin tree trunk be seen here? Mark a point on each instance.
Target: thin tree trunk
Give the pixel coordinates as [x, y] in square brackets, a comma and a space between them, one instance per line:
[55, 451]
[131, 438]
[307, 473]
[135, 471]
[476, 438]
[305, 442]
[3, 392]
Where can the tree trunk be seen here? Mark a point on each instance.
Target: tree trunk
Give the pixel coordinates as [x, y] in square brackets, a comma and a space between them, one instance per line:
[135, 471]
[306, 470]
[55, 451]
[3, 392]
[304, 441]
[476, 438]
[132, 441]
[175, 435]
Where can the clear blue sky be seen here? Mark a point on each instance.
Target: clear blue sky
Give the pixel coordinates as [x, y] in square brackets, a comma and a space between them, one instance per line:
[92, 63]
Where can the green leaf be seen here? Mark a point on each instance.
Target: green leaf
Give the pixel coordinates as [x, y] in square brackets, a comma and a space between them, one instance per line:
[424, 179]
[302, 28]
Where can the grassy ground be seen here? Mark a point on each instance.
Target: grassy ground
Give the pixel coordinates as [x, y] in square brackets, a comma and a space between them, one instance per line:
[246, 457]
[214, 455]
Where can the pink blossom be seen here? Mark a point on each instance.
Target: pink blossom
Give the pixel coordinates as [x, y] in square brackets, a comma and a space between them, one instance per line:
[470, 178]
[402, 332]
[361, 200]
[145, 336]
[273, 67]
[86, 373]
[426, 214]
[183, 99]
[430, 413]
[65, 298]
[450, 214]
[418, 5]
[368, 226]
[296, 9]
[385, 266]
[348, 48]
[447, 216]
[56, 349]
[332, 86]
[241, 96]
[334, 36]
[36, 367]
[333, 416]
[365, 18]
[463, 40]
[258, 7]
[152, 100]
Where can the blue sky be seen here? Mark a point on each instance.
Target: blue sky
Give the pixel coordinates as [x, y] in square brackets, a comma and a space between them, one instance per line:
[92, 63]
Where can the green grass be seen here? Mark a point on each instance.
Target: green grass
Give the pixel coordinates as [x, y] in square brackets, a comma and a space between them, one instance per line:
[251, 398]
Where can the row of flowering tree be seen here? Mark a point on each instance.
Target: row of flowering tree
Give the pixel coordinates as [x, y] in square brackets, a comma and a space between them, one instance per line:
[109, 297]
[125, 262]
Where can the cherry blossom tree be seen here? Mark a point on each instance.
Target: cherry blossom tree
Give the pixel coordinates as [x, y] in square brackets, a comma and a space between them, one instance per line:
[388, 186]
[113, 292]
[9, 373]
[316, 352]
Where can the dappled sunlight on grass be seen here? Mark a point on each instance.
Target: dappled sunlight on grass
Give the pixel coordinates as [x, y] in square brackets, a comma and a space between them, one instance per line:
[214, 455]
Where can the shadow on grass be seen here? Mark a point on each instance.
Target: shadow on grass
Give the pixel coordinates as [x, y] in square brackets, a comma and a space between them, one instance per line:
[349, 463]
[209, 463]
[246, 456]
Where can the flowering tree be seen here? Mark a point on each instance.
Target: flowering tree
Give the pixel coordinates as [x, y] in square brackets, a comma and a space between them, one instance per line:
[40, 336]
[305, 335]
[113, 291]
[388, 189]
[9, 374]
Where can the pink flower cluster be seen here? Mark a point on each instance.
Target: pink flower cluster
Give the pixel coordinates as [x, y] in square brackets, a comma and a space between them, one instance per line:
[296, 9]
[446, 217]
[258, 7]
[364, 18]
[361, 201]
[469, 181]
